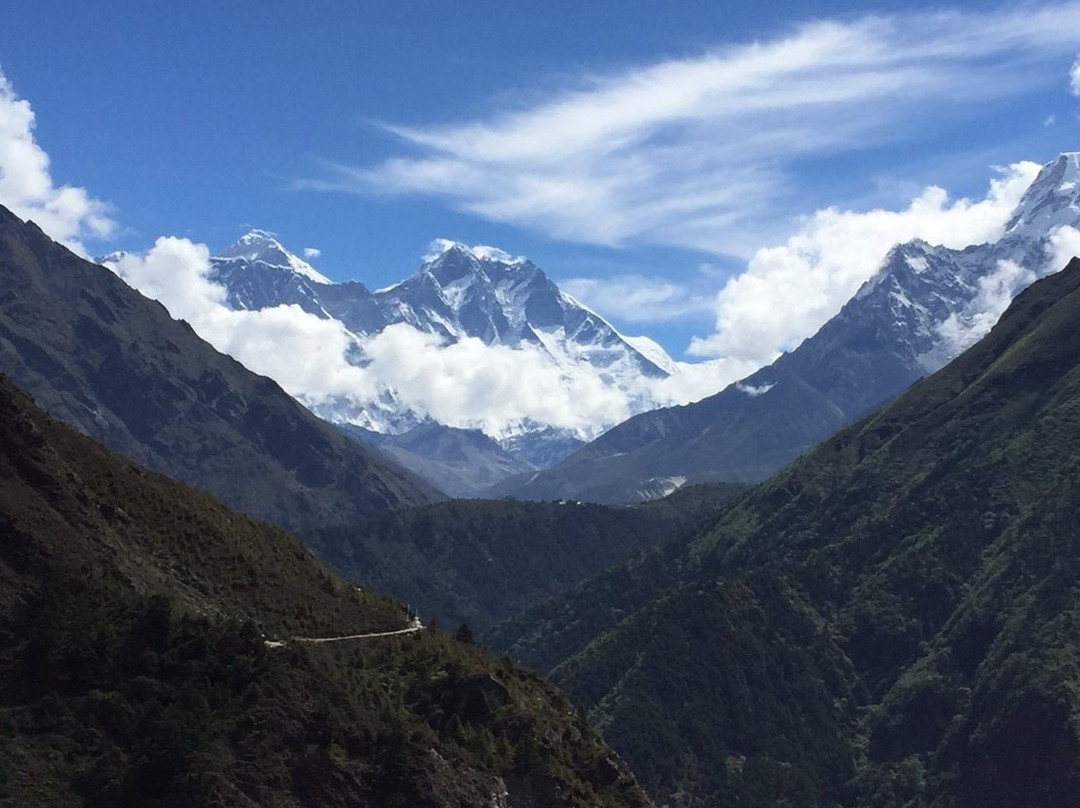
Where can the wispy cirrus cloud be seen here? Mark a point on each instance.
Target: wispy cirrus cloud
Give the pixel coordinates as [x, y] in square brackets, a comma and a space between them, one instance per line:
[1074, 78]
[686, 152]
[67, 213]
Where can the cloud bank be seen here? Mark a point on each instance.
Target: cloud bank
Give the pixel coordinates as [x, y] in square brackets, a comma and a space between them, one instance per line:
[695, 152]
[66, 213]
[996, 291]
[785, 294]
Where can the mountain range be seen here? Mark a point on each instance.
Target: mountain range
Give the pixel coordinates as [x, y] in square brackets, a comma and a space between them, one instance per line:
[922, 307]
[891, 620]
[459, 293]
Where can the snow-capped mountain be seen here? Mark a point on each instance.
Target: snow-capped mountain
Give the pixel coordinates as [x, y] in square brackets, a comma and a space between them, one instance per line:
[501, 300]
[941, 301]
[258, 272]
[923, 307]
[459, 293]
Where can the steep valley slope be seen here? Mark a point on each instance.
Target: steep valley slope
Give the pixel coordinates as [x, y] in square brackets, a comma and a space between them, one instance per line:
[483, 561]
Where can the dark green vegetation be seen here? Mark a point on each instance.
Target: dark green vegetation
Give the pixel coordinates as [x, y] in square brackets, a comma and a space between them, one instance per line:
[894, 620]
[100, 356]
[133, 669]
[481, 561]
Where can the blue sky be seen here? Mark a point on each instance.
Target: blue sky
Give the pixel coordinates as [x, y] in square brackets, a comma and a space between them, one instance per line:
[642, 152]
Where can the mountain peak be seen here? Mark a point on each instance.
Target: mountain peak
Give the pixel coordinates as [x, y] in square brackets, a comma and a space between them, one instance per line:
[1052, 200]
[262, 245]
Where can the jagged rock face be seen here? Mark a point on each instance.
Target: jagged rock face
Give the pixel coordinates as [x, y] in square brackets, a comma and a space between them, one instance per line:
[923, 307]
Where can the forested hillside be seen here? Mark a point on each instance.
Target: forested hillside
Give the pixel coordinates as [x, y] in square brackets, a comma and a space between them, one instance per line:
[135, 668]
[892, 620]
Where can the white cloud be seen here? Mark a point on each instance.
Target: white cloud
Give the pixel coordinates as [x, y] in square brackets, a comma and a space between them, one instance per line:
[68, 214]
[483, 252]
[637, 298]
[467, 383]
[311, 253]
[470, 384]
[755, 391]
[693, 381]
[689, 151]
[789, 291]
[1074, 78]
[1064, 246]
[176, 271]
[996, 291]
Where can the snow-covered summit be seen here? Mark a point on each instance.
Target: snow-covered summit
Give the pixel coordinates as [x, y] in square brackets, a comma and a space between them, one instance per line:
[263, 246]
[1051, 201]
[486, 293]
[934, 302]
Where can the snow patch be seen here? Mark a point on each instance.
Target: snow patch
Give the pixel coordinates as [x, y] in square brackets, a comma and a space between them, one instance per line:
[652, 351]
[917, 263]
[754, 390]
[660, 487]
